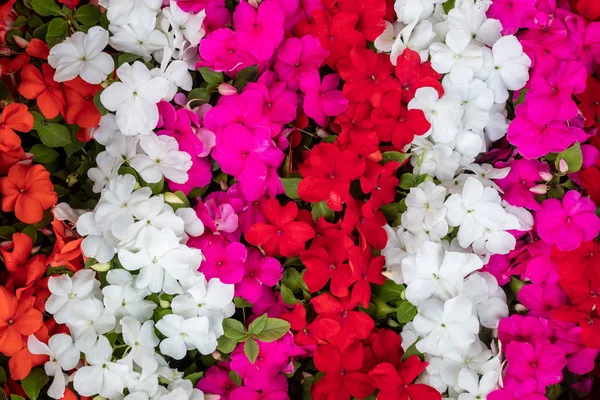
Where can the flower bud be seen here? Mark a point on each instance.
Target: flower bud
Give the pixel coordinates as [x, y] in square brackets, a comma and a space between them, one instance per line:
[539, 189]
[322, 133]
[164, 303]
[546, 176]
[19, 41]
[520, 308]
[254, 3]
[101, 267]
[216, 355]
[172, 198]
[563, 167]
[225, 89]
[7, 245]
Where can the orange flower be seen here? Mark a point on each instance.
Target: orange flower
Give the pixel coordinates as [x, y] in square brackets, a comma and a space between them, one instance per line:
[21, 363]
[15, 117]
[10, 158]
[38, 49]
[13, 65]
[80, 103]
[23, 271]
[18, 320]
[22, 245]
[67, 248]
[28, 191]
[48, 93]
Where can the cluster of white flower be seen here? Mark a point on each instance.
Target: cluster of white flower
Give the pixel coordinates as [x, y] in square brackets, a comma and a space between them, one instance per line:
[449, 230]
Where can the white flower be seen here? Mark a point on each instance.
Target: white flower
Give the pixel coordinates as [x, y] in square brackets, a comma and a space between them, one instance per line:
[88, 323]
[497, 126]
[63, 357]
[471, 18]
[108, 168]
[121, 12]
[102, 376]
[185, 334]
[477, 389]
[69, 293]
[186, 26]
[487, 297]
[155, 212]
[386, 40]
[445, 114]
[418, 39]
[176, 72]
[459, 56]
[426, 211]
[162, 158]
[161, 259]
[81, 55]
[477, 358]
[438, 160]
[106, 130]
[123, 147]
[135, 98]
[142, 340]
[510, 70]
[182, 389]
[469, 143]
[400, 244]
[447, 328]
[123, 298]
[435, 272]
[97, 243]
[139, 37]
[193, 226]
[432, 376]
[476, 101]
[411, 11]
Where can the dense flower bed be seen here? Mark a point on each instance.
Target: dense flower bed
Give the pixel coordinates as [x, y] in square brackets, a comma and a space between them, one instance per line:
[299, 199]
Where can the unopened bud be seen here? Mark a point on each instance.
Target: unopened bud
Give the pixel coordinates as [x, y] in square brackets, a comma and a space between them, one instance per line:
[216, 355]
[563, 167]
[223, 185]
[71, 180]
[172, 198]
[164, 303]
[322, 133]
[225, 89]
[212, 397]
[539, 189]
[254, 3]
[7, 245]
[21, 42]
[387, 274]
[520, 308]
[101, 267]
[546, 176]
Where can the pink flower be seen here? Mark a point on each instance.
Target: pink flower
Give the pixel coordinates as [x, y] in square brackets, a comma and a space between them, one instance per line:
[217, 381]
[259, 31]
[580, 359]
[523, 175]
[259, 271]
[517, 389]
[297, 58]
[323, 99]
[541, 300]
[193, 6]
[540, 268]
[221, 52]
[590, 155]
[217, 16]
[224, 262]
[271, 303]
[552, 88]
[590, 54]
[519, 328]
[568, 223]
[276, 390]
[539, 360]
[512, 13]
[244, 109]
[199, 175]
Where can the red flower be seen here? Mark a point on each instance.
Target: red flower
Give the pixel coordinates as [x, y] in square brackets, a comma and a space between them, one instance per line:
[325, 263]
[395, 384]
[343, 378]
[337, 33]
[355, 324]
[69, 3]
[413, 75]
[327, 175]
[589, 101]
[282, 236]
[18, 320]
[370, 16]
[318, 332]
[356, 117]
[81, 109]
[38, 49]
[590, 9]
[396, 123]
[367, 75]
[10, 158]
[13, 65]
[48, 93]
[382, 346]
[590, 180]
[369, 226]
[366, 269]
[381, 182]
[15, 117]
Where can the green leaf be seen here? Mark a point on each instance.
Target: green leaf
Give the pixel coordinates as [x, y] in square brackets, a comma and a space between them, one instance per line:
[412, 351]
[195, 377]
[390, 290]
[2, 394]
[322, 210]
[448, 5]
[290, 185]
[257, 326]
[330, 139]
[30, 231]
[57, 31]
[211, 77]
[54, 135]
[274, 329]
[34, 382]
[392, 210]
[225, 345]
[394, 156]
[515, 284]
[199, 94]
[103, 110]
[288, 296]
[307, 384]
[521, 97]
[88, 14]
[251, 350]
[43, 154]
[378, 309]
[553, 392]
[40, 31]
[233, 329]
[126, 58]
[240, 302]
[2, 377]
[556, 193]
[157, 187]
[6, 232]
[406, 312]
[246, 75]
[572, 157]
[46, 8]
[408, 181]
[16, 397]
[235, 378]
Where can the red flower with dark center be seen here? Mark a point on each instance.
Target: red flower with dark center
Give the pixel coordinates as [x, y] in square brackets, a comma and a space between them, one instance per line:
[318, 332]
[366, 270]
[590, 9]
[81, 109]
[370, 16]
[327, 175]
[368, 75]
[356, 117]
[590, 180]
[382, 346]
[396, 123]
[396, 384]
[369, 226]
[325, 263]
[381, 182]
[282, 235]
[589, 101]
[42, 87]
[413, 75]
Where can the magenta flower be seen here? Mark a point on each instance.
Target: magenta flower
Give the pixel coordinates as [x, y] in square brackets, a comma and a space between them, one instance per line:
[552, 88]
[260, 30]
[272, 358]
[217, 16]
[276, 390]
[259, 271]
[541, 300]
[519, 328]
[271, 303]
[523, 175]
[224, 262]
[217, 381]
[243, 109]
[193, 6]
[512, 13]
[297, 58]
[323, 99]
[540, 268]
[221, 52]
[590, 54]
[517, 389]
[568, 223]
[538, 359]
[580, 359]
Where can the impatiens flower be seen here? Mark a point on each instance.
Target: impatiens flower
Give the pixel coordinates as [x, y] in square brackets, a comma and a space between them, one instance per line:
[186, 26]
[81, 55]
[325, 263]
[221, 52]
[580, 358]
[397, 384]
[476, 388]
[28, 191]
[426, 211]
[443, 113]
[139, 37]
[282, 235]
[224, 262]
[317, 332]
[327, 175]
[413, 75]
[367, 270]
[322, 99]
[15, 117]
[524, 175]
[259, 30]
[134, 99]
[81, 109]
[589, 101]
[277, 390]
[162, 158]
[519, 328]
[297, 58]
[42, 87]
[567, 223]
[63, 357]
[510, 68]
[487, 297]
[517, 389]
[216, 381]
[512, 13]
[70, 293]
[258, 271]
[185, 334]
[458, 56]
[18, 320]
